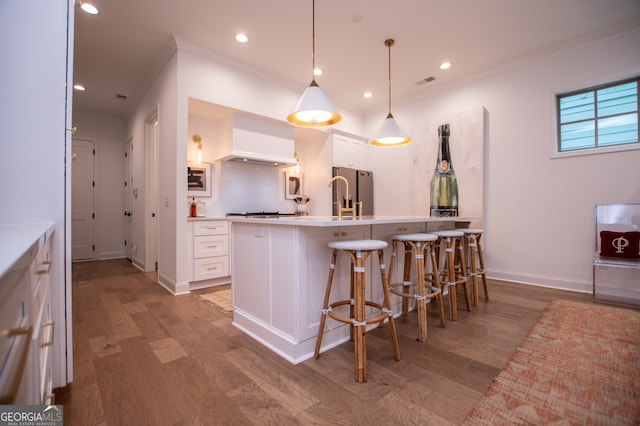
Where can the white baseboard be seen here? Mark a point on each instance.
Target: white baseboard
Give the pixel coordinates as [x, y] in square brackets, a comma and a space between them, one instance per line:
[580, 286]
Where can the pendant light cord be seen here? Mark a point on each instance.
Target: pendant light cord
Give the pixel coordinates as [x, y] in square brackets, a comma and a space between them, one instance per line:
[389, 43]
[313, 39]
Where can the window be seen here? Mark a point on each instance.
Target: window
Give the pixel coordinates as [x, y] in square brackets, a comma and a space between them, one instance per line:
[599, 116]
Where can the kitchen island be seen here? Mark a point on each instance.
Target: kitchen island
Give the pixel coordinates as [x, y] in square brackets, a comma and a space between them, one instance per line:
[280, 267]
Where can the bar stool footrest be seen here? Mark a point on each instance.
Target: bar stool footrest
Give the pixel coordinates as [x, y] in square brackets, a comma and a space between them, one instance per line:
[347, 320]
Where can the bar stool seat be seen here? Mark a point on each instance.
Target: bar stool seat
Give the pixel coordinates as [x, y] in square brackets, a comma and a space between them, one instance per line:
[476, 262]
[452, 242]
[364, 245]
[420, 245]
[358, 251]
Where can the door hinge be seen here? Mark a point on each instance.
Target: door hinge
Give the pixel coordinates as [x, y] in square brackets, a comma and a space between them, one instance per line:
[125, 243]
[93, 183]
[93, 248]
[94, 151]
[93, 215]
[126, 154]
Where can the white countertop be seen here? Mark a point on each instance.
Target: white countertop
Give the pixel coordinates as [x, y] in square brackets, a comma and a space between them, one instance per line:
[17, 239]
[326, 221]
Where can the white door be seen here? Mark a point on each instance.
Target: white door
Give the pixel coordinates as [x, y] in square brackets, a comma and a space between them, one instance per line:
[82, 186]
[128, 200]
[151, 221]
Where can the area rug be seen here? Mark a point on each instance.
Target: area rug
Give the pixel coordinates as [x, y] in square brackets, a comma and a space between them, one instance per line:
[579, 365]
[220, 299]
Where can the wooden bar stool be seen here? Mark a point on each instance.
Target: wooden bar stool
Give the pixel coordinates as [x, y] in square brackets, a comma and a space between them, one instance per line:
[476, 262]
[452, 242]
[420, 245]
[358, 251]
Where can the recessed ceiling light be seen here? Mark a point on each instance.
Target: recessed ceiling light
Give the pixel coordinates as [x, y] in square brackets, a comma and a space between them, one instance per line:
[89, 8]
[317, 71]
[79, 87]
[445, 65]
[242, 38]
[368, 94]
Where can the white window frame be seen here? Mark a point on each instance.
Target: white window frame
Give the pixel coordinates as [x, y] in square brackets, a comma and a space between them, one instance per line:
[558, 153]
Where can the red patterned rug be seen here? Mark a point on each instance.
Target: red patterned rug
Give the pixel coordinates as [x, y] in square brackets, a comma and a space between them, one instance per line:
[579, 365]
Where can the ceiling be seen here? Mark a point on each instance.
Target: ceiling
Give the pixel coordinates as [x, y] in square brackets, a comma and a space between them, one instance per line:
[116, 49]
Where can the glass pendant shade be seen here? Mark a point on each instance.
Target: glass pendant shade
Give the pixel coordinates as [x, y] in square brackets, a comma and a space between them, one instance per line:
[313, 109]
[390, 134]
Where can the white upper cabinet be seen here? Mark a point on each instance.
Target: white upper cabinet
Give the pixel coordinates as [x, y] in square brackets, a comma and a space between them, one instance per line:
[350, 152]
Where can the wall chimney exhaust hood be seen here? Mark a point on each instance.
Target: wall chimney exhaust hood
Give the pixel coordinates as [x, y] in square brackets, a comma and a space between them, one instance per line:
[257, 140]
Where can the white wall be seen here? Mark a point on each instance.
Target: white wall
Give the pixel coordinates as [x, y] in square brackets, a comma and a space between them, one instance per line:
[539, 210]
[108, 133]
[238, 187]
[34, 142]
[200, 78]
[160, 99]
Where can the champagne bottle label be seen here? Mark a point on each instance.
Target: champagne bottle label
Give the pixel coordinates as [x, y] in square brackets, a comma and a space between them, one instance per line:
[444, 185]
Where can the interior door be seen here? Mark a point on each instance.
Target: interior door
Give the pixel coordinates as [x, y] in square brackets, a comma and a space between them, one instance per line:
[151, 220]
[82, 187]
[128, 201]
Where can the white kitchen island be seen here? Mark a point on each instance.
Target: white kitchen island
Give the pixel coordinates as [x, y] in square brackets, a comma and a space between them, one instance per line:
[280, 267]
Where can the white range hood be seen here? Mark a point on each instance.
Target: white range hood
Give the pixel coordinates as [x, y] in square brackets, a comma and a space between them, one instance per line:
[257, 140]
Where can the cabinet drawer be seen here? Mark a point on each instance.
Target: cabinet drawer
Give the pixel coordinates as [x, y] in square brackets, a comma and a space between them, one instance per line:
[209, 227]
[46, 387]
[15, 337]
[207, 246]
[45, 337]
[211, 267]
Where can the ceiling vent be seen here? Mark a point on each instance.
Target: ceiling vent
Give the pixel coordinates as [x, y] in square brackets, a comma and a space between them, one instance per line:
[425, 81]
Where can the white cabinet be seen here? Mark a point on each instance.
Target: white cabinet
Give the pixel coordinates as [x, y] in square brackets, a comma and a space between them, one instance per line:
[350, 152]
[43, 329]
[264, 265]
[15, 340]
[279, 279]
[25, 315]
[209, 248]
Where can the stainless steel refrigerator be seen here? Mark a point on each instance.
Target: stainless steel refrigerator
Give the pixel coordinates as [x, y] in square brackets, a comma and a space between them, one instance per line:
[360, 189]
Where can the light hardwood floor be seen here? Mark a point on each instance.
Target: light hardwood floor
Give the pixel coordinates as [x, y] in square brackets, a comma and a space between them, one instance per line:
[145, 357]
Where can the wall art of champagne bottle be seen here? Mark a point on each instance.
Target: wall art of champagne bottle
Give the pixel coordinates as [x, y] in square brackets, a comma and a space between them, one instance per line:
[444, 186]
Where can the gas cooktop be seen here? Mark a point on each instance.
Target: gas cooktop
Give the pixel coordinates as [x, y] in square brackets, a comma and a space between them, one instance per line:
[261, 214]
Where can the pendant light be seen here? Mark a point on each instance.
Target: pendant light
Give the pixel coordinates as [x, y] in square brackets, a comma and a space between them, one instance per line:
[313, 109]
[390, 134]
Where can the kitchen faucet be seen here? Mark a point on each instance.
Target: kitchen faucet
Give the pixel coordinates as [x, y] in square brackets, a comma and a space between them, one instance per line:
[348, 207]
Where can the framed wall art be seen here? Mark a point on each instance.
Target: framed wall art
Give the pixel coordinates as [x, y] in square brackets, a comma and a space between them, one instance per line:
[292, 185]
[199, 180]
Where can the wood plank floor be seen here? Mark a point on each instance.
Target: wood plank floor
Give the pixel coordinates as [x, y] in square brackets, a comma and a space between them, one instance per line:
[145, 357]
